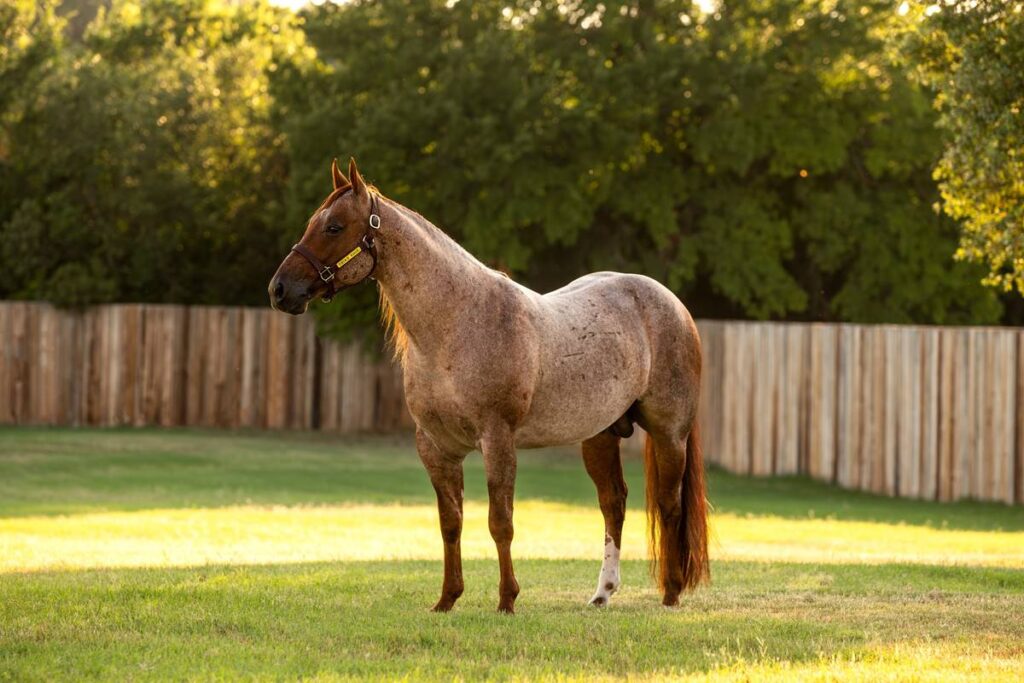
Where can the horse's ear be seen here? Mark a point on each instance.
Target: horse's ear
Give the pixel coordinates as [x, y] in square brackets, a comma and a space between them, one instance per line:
[358, 186]
[337, 176]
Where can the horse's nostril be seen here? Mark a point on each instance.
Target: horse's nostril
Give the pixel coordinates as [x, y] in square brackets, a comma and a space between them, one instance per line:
[279, 291]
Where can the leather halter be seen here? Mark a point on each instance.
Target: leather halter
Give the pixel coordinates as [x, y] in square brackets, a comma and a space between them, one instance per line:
[328, 271]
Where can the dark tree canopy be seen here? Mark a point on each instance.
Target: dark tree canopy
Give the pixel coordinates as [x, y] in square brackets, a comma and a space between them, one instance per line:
[773, 159]
[144, 166]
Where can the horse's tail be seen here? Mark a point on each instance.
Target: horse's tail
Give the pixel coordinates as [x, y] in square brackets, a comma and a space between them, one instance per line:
[687, 535]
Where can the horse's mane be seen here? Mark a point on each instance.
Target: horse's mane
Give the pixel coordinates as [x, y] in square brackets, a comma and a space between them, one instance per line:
[396, 335]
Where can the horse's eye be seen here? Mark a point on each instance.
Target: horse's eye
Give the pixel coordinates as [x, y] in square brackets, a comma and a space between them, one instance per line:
[333, 229]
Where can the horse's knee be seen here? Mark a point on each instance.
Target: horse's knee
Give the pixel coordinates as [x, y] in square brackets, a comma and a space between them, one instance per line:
[671, 511]
[500, 524]
[451, 532]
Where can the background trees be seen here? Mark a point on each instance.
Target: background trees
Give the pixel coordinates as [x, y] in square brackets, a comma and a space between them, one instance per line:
[773, 159]
[974, 55]
[145, 165]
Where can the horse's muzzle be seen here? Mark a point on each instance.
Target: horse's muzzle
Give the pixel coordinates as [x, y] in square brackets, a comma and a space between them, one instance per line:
[288, 297]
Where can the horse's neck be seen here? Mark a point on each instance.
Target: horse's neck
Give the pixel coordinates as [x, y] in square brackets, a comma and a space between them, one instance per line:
[425, 276]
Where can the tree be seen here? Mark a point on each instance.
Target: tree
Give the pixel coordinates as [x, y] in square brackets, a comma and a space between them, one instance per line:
[770, 160]
[974, 57]
[148, 168]
[29, 39]
[29, 36]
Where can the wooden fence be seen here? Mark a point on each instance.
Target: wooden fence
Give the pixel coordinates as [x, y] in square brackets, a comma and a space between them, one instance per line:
[133, 364]
[923, 412]
[920, 412]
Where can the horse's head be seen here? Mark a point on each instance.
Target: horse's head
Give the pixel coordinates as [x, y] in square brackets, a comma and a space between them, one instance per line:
[336, 251]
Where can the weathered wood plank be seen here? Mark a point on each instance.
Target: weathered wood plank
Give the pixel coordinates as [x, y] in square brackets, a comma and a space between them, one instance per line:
[849, 413]
[727, 437]
[909, 414]
[823, 393]
[929, 414]
[762, 418]
[963, 422]
[1001, 470]
[709, 414]
[947, 415]
[1019, 426]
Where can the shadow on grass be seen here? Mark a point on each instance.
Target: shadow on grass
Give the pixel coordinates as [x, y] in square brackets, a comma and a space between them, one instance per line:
[65, 471]
[370, 618]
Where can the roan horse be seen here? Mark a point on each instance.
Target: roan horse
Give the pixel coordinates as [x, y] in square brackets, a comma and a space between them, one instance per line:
[491, 365]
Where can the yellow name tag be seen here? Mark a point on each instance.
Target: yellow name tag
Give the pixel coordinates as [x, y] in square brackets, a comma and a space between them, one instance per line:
[348, 257]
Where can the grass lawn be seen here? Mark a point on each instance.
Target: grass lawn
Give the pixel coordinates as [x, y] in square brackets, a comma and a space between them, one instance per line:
[201, 555]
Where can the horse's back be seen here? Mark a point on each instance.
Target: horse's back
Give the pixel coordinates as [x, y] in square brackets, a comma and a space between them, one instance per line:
[621, 297]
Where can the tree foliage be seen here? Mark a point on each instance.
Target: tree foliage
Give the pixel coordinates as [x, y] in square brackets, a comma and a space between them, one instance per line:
[974, 56]
[147, 168]
[772, 159]
[29, 39]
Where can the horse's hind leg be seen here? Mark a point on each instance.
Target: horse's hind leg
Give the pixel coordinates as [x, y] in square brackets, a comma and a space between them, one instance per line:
[667, 457]
[601, 458]
[677, 507]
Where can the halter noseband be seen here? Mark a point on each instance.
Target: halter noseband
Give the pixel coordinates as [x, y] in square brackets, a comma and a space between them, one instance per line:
[327, 271]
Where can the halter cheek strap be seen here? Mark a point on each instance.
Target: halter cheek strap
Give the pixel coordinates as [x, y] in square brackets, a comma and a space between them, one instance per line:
[328, 271]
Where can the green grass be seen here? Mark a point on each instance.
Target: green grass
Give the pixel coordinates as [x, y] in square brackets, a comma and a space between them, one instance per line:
[189, 555]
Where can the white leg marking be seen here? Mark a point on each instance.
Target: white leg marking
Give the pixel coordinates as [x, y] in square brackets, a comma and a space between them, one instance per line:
[608, 580]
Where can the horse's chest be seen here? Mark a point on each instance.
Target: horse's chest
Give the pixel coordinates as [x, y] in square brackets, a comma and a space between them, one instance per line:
[437, 408]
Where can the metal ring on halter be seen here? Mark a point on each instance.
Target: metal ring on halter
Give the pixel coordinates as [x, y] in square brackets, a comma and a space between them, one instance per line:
[375, 221]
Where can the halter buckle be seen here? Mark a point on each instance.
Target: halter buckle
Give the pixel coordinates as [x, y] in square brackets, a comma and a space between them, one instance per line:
[326, 274]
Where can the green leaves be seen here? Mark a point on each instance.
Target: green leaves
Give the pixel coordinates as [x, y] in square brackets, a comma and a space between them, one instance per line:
[773, 159]
[146, 167]
[973, 55]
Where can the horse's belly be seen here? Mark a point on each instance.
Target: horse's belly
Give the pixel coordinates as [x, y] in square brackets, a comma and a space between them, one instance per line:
[581, 393]
[539, 431]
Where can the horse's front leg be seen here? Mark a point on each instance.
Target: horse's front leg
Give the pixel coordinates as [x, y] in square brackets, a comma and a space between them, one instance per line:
[445, 470]
[500, 467]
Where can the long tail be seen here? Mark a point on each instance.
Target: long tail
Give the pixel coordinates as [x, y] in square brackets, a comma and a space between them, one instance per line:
[688, 534]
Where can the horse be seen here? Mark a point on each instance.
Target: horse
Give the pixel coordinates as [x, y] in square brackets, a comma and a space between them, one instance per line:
[491, 365]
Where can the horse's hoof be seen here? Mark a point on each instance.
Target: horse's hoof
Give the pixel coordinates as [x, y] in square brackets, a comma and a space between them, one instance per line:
[670, 601]
[604, 594]
[443, 606]
[506, 609]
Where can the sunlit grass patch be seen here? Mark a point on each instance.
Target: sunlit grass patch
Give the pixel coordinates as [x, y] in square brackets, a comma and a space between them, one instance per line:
[277, 534]
[187, 555]
[909, 661]
[335, 620]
